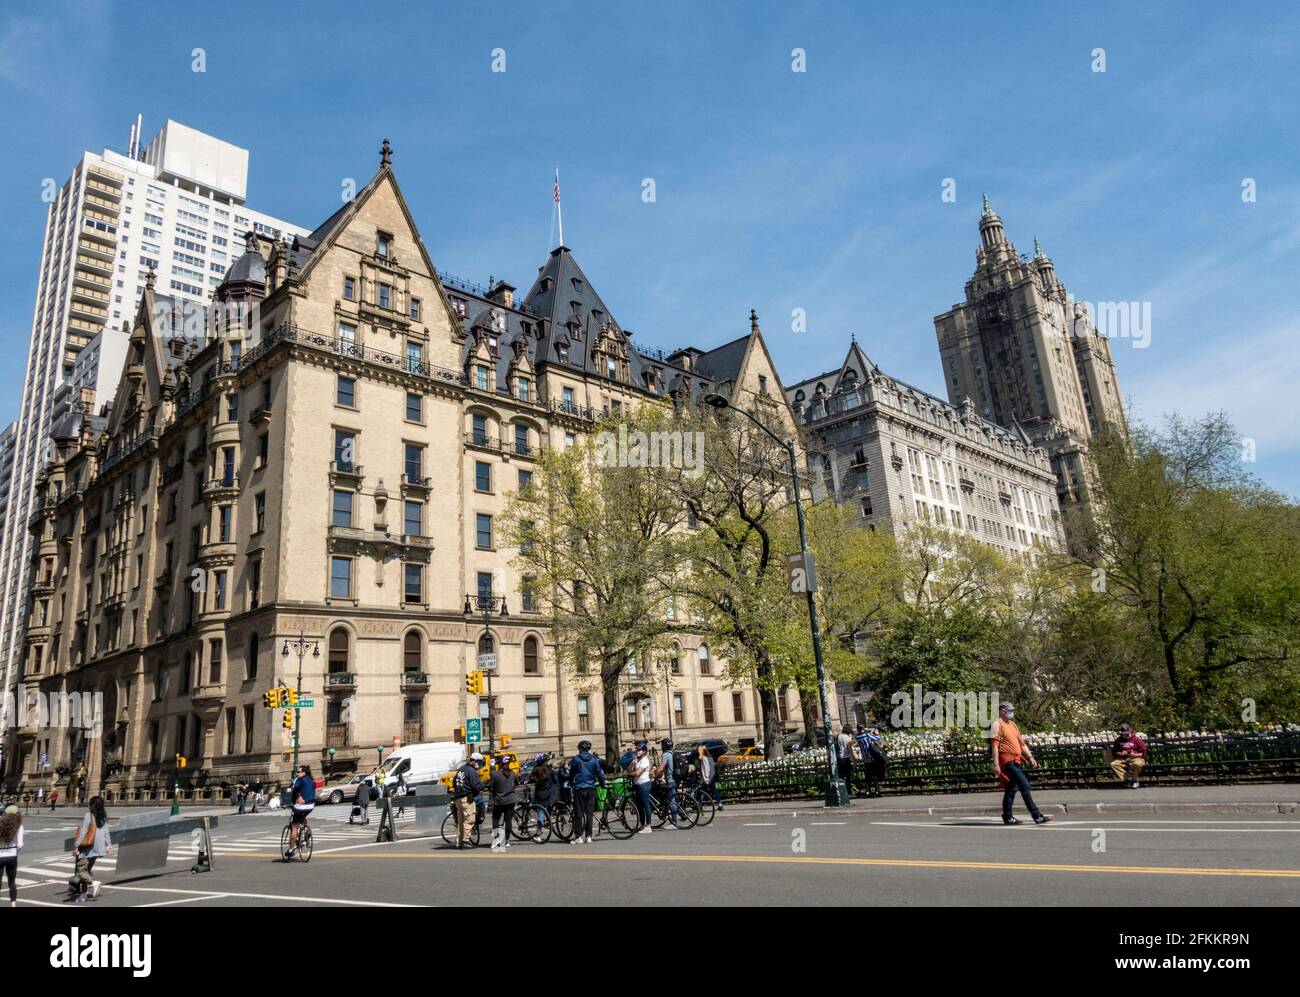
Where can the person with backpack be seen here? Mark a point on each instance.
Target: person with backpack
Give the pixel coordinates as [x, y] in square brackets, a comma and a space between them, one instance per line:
[11, 840]
[361, 803]
[465, 787]
[504, 784]
[587, 773]
[91, 842]
[868, 742]
[546, 788]
[708, 770]
[667, 774]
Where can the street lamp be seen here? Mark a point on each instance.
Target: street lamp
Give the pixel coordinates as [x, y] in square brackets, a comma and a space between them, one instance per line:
[837, 794]
[300, 647]
[487, 604]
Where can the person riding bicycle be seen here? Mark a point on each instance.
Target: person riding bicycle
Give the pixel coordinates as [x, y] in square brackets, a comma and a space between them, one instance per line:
[303, 794]
[586, 773]
[465, 788]
[667, 774]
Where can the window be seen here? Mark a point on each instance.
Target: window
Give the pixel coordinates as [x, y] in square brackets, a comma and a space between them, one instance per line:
[228, 466]
[259, 512]
[521, 439]
[415, 309]
[223, 524]
[250, 659]
[339, 653]
[219, 580]
[679, 712]
[525, 478]
[413, 519]
[414, 406]
[675, 666]
[230, 731]
[483, 582]
[248, 728]
[584, 713]
[567, 396]
[341, 577]
[349, 288]
[412, 583]
[342, 513]
[347, 393]
[483, 531]
[383, 244]
[385, 296]
[532, 662]
[232, 407]
[214, 660]
[347, 338]
[414, 358]
[414, 461]
[481, 377]
[482, 476]
[525, 390]
[737, 707]
[479, 435]
[762, 384]
[528, 593]
[412, 653]
[708, 708]
[532, 715]
[263, 449]
[344, 449]
[704, 659]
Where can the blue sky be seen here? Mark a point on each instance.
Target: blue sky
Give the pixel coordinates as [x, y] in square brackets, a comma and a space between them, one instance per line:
[775, 190]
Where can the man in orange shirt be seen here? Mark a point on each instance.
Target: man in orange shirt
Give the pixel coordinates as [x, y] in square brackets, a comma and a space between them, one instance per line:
[1010, 752]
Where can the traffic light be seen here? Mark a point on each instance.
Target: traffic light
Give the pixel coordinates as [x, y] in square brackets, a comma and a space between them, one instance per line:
[291, 697]
[181, 761]
[474, 683]
[271, 698]
[286, 721]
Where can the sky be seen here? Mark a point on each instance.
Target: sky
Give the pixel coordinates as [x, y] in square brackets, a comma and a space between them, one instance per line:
[818, 190]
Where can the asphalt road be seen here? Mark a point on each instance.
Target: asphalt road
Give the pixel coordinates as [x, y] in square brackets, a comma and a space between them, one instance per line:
[748, 858]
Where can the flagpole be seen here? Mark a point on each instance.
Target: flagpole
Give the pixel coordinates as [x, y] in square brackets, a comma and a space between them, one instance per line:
[559, 211]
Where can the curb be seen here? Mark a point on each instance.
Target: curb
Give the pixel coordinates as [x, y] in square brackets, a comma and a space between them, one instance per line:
[1054, 808]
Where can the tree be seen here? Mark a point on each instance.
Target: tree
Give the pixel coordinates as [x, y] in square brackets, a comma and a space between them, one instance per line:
[598, 534]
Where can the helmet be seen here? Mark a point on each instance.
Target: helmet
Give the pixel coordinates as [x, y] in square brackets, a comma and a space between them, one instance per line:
[539, 759]
[642, 746]
[584, 745]
[476, 757]
[666, 744]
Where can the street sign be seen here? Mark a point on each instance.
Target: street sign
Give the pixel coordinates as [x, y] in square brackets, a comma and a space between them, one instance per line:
[305, 703]
[801, 573]
[487, 662]
[473, 730]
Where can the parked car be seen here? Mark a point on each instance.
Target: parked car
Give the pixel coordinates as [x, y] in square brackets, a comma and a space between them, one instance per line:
[742, 755]
[343, 790]
[715, 746]
[793, 742]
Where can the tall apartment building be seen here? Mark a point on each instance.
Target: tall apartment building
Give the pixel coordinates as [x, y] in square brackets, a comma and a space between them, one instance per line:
[899, 455]
[174, 209]
[334, 463]
[1029, 357]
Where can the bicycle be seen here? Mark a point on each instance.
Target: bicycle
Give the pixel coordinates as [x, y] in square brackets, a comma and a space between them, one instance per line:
[304, 849]
[533, 822]
[688, 810]
[449, 828]
[708, 808]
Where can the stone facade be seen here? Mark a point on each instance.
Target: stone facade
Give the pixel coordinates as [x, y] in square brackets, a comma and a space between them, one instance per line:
[325, 458]
[900, 456]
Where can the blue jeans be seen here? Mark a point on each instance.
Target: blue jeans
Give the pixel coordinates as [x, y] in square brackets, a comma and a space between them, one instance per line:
[671, 787]
[1016, 779]
[643, 797]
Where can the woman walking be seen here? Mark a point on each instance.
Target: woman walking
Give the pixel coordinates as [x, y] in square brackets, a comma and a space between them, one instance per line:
[503, 802]
[11, 839]
[92, 842]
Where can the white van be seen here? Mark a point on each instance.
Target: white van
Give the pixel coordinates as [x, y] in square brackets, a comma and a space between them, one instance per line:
[420, 763]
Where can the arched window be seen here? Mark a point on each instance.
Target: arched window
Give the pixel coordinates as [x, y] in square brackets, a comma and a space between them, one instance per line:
[250, 659]
[704, 659]
[339, 650]
[532, 657]
[413, 653]
[675, 663]
[486, 644]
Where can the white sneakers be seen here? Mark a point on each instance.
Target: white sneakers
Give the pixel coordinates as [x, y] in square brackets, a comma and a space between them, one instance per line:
[94, 888]
[645, 830]
[589, 839]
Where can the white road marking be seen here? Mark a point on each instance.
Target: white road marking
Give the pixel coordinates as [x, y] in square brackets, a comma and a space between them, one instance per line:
[203, 894]
[185, 900]
[828, 823]
[1106, 826]
[760, 825]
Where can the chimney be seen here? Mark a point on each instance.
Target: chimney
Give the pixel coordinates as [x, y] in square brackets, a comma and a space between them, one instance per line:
[502, 294]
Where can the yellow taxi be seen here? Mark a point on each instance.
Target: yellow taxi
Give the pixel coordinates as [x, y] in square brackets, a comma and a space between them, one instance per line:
[508, 758]
[742, 755]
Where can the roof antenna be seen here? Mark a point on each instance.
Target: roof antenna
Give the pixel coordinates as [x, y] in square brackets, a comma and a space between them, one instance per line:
[559, 213]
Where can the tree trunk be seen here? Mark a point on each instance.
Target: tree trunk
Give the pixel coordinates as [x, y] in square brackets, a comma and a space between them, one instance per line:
[609, 695]
[809, 701]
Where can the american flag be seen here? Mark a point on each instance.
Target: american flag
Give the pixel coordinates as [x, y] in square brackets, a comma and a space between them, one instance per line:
[557, 185]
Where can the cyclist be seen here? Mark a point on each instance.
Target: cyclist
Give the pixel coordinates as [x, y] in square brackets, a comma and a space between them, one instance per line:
[546, 788]
[465, 788]
[643, 783]
[667, 773]
[586, 773]
[303, 794]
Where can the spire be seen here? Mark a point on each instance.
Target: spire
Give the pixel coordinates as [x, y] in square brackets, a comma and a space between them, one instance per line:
[386, 154]
[991, 233]
[987, 209]
[1038, 250]
[150, 276]
[753, 320]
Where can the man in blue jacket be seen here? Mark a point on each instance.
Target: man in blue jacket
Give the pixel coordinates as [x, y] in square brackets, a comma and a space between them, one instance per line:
[586, 773]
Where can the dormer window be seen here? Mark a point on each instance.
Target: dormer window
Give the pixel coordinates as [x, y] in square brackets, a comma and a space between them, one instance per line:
[577, 285]
[563, 353]
[545, 284]
[383, 245]
[611, 368]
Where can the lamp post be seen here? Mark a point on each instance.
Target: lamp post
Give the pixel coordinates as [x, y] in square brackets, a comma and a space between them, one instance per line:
[487, 604]
[837, 794]
[300, 647]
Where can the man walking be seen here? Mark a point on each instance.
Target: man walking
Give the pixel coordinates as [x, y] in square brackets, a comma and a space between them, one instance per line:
[361, 803]
[1128, 756]
[1010, 752]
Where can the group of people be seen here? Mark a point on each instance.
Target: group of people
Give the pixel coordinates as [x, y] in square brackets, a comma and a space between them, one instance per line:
[871, 753]
[90, 843]
[578, 779]
[369, 789]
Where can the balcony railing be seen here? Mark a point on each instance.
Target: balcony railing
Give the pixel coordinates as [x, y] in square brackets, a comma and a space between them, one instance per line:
[573, 409]
[340, 680]
[345, 347]
[415, 680]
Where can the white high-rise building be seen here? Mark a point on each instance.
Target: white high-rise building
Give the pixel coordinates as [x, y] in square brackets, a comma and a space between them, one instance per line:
[175, 207]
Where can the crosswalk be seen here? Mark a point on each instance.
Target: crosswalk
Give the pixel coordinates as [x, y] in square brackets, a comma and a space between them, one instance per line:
[329, 828]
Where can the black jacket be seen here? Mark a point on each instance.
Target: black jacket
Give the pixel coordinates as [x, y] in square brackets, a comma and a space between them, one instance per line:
[362, 797]
[503, 786]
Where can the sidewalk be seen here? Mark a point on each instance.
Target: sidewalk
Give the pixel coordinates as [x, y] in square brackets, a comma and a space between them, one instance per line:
[1270, 798]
